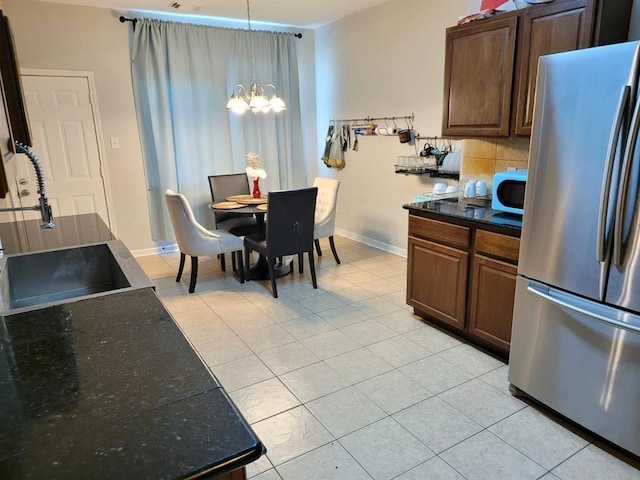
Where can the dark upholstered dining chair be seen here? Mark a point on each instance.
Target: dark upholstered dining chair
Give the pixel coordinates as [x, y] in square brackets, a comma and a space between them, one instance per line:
[223, 186]
[195, 240]
[289, 231]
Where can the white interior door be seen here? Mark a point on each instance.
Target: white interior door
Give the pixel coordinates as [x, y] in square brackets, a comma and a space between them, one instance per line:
[66, 143]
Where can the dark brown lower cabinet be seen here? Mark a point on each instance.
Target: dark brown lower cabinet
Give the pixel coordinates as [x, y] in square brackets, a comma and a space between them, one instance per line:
[239, 474]
[438, 280]
[463, 277]
[493, 287]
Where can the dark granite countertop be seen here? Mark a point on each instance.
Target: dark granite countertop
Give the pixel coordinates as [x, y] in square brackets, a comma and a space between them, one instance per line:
[110, 388]
[470, 211]
[24, 237]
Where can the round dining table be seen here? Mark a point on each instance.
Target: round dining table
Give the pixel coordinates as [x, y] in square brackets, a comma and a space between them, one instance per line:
[257, 207]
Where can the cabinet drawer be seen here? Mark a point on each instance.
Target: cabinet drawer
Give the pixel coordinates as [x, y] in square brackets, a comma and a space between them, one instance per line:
[496, 245]
[447, 233]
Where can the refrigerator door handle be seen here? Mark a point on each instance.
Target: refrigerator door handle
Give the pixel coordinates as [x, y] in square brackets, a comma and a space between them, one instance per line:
[602, 313]
[618, 227]
[605, 191]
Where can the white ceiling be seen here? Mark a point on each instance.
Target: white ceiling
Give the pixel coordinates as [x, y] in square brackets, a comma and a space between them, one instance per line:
[299, 13]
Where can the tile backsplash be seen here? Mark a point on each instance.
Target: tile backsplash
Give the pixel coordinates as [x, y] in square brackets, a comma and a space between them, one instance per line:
[482, 158]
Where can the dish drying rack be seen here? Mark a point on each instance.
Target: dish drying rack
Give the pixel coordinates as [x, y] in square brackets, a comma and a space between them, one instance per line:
[437, 159]
[430, 197]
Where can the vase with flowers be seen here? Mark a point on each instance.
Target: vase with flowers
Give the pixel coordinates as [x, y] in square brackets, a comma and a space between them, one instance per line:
[254, 172]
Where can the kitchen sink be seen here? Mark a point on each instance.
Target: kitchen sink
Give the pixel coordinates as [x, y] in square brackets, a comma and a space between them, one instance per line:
[38, 280]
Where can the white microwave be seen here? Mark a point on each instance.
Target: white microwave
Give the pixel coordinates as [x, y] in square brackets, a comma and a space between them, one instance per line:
[507, 194]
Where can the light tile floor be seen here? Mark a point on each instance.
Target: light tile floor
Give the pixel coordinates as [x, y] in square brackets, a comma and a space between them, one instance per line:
[344, 382]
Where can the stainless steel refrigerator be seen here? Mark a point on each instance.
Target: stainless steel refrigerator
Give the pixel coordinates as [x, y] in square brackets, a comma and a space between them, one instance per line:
[575, 343]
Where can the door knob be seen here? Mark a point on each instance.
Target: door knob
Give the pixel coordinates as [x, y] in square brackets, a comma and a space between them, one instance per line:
[25, 193]
[23, 181]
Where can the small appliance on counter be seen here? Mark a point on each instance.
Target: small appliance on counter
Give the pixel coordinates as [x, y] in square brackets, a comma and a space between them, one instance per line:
[508, 191]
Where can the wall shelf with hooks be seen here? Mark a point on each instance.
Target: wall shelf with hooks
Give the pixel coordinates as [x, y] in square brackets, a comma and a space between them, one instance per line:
[367, 127]
[367, 120]
[436, 139]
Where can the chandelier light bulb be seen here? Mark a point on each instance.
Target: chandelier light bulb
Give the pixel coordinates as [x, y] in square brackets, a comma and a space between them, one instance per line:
[237, 104]
[240, 107]
[277, 104]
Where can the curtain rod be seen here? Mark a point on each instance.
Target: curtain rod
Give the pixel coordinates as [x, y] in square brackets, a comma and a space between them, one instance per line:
[125, 19]
[135, 20]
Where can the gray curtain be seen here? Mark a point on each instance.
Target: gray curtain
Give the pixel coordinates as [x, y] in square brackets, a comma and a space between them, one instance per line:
[183, 76]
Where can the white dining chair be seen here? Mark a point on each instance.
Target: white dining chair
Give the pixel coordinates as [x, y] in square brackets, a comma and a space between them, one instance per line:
[195, 240]
[325, 216]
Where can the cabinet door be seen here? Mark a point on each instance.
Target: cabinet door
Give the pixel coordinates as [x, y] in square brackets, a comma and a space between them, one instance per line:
[479, 67]
[239, 474]
[437, 280]
[493, 287]
[548, 29]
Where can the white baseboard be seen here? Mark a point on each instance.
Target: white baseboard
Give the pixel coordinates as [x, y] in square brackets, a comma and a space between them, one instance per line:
[168, 248]
[372, 243]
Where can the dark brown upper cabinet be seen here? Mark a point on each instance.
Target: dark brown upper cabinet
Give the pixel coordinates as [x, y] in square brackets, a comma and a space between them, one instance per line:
[491, 65]
[479, 63]
[555, 29]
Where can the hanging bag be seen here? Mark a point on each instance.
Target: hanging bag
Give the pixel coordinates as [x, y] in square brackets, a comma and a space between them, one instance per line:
[327, 146]
[336, 155]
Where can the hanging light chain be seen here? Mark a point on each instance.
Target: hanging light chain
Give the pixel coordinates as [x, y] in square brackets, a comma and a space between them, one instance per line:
[251, 57]
[248, 15]
[255, 98]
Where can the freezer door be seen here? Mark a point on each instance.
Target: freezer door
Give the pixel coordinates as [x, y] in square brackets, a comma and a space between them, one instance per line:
[582, 111]
[579, 358]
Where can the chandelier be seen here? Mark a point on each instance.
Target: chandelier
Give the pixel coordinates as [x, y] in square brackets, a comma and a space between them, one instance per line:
[255, 98]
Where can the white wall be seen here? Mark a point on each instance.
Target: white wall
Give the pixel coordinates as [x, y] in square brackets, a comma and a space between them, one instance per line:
[386, 61]
[383, 62]
[66, 37]
[52, 36]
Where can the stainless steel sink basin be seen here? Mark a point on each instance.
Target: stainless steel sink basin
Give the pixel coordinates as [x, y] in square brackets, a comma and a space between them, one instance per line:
[37, 280]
